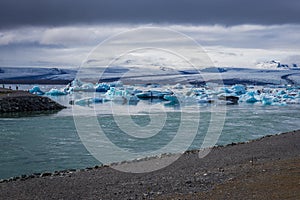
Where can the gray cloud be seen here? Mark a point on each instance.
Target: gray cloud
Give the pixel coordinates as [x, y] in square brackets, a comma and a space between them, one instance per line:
[14, 13]
[242, 45]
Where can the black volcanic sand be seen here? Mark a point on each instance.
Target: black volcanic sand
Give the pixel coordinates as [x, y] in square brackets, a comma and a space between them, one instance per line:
[267, 168]
[12, 101]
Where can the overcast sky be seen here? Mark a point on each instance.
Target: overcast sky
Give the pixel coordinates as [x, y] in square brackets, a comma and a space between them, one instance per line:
[68, 12]
[233, 32]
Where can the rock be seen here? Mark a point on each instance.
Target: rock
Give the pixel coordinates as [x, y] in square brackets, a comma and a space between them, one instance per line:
[23, 176]
[31, 176]
[46, 174]
[232, 99]
[21, 101]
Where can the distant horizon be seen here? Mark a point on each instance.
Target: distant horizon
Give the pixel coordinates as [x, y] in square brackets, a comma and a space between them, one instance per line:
[259, 65]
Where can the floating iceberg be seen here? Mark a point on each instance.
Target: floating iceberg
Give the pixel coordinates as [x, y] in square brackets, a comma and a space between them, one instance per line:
[181, 99]
[87, 101]
[122, 95]
[251, 100]
[36, 90]
[77, 85]
[239, 89]
[56, 92]
[116, 84]
[286, 96]
[269, 100]
[281, 92]
[225, 90]
[153, 94]
[171, 98]
[178, 86]
[102, 87]
[249, 97]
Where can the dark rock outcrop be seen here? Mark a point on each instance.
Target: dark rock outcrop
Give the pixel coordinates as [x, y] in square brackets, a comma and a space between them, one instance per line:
[22, 101]
[230, 99]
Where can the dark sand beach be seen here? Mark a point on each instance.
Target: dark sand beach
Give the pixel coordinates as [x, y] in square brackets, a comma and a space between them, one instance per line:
[267, 168]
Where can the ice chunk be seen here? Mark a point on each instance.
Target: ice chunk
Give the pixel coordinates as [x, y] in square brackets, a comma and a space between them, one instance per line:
[116, 84]
[239, 89]
[251, 100]
[88, 87]
[251, 93]
[102, 87]
[56, 92]
[153, 94]
[266, 100]
[178, 86]
[76, 83]
[172, 98]
[122, 95]
[274, 101]
[36, 90]
[286, 96]
[281, 92]
[89, 100]
[226, 90]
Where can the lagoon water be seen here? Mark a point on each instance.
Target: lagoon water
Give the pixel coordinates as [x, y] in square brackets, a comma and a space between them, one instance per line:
[42, 142]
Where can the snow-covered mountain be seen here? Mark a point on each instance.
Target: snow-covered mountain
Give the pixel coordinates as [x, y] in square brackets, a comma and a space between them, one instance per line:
[276, 65]
[271, 72]
[33, 74]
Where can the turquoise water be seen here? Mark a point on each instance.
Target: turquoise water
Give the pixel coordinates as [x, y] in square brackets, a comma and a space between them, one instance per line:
[41, 142]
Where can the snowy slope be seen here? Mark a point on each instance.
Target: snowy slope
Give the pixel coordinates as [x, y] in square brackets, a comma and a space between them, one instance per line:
[27, 73]
[157, 75]
[276, 65]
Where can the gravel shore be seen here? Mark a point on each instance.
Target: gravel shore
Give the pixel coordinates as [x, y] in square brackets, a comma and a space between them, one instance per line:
[267, 168]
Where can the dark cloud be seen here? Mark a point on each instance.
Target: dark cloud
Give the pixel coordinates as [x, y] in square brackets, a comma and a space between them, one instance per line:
[15, 13]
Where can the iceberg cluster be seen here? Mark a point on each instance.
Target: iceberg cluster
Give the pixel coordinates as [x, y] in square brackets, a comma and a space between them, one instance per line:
[80, 86]
[272, 96]
[178, 94]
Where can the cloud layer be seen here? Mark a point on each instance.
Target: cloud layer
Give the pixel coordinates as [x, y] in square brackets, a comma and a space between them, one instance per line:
[242, 45]
[14, 13]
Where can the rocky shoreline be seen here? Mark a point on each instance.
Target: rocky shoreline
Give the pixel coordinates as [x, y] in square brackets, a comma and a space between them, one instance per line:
[12, 101]
[259, 169]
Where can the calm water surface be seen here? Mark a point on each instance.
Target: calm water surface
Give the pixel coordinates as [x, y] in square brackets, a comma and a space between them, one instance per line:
[41, 142]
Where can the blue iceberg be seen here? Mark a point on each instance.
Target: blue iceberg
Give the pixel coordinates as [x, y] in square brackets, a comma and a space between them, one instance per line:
[56, 92]
[36, 90]
[239, 89]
